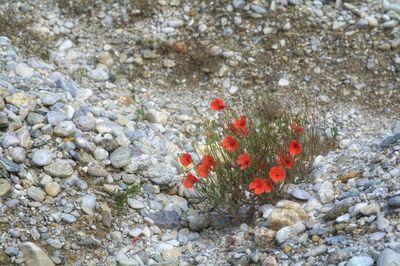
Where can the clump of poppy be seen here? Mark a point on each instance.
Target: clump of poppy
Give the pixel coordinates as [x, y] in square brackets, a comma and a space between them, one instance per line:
[295, 147]
[230, 144]
[244, 161]
[217, 104]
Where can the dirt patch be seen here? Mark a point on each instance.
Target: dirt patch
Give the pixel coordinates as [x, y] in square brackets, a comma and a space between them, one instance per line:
[16, 25]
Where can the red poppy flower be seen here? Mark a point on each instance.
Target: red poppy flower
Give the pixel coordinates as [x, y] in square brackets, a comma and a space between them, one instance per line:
[217, 104]
[286, 161]
[189, 181]
[230, 144]
[277, 174]
[260, 186]
[208, 161]
[244, 161]
[296, 128]
[203, 170]
[239, 123]
[186, 159]
[295, 147]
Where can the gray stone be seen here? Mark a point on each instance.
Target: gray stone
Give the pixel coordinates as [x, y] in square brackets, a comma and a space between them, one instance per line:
[199, 221]
[135, 204]
[386, 142]
[258, 9]
[238, 4]
[12, 251]
[290, 231]
[300, 194]
[121, 157]
[9, 165]
[88, 203]
[65, 129]
[34, 255]
[123, 260]
[100, 154]
[388, 257]
[85, 122]
[165, 219]
[99, 74]
[42, 157]
[326, 192]
[9, 139]
[394, 202]
[370, 209]
[59, 169]
[55, 117]
[68, 218]
[316, 251]
[97, 171]
[17, 154]
[36, 193]
[35, 118]
[23, 70]
[51, 98]
[67, 85]
[360, 261]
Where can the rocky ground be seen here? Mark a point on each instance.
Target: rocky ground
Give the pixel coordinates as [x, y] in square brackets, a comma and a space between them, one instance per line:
[97, 95]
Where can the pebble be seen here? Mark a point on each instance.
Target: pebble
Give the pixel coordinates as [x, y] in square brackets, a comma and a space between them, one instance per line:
[121, 157]
[88, 204]
[42, 157]
[360, 261]
[135, 204]
[289, 232]
[65, 129]
[18, 154]
[388, 257]
[326, 192]
[5, 187]
[36, 194]
[23, 70]
[52, 189]
[59, 169]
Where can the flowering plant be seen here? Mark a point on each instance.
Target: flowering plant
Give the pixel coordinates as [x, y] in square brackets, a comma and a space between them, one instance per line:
[249, 155]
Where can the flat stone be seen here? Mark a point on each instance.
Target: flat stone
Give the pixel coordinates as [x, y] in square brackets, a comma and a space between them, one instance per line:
[388, 257]
[88, 204]
[59, 169]
[5, 187]
[23, 70]
[42, 157]
[165, 219]
[97, 171]
[55, 117]
[199, 221]
[360, 261]
[290, 231]
[135, 204]
[8, 165]
[326, 192]
[394, 202]
[65, 129]
[121, 157]
[68, 218]
[36, 193]
[34, 255]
